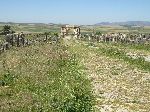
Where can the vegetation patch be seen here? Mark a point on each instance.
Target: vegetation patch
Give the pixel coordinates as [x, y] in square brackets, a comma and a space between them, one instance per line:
[115, 53]
[145, 47]
[44, 78]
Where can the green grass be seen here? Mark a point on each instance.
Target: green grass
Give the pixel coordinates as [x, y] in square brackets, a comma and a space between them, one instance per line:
[145, 47]
[38, 28]
[43, 78]
[119, 54]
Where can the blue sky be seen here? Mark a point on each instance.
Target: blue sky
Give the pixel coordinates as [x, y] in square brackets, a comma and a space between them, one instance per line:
[74, 11]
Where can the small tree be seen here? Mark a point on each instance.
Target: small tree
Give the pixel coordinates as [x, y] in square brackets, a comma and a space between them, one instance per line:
[7, 30]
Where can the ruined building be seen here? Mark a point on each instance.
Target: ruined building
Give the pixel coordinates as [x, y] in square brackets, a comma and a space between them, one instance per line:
[70, 30]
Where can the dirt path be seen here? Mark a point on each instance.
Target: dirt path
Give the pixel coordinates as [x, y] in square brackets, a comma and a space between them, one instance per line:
[118, 87]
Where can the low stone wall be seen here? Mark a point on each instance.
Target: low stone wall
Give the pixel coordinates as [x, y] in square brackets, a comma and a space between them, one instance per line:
[23, 42]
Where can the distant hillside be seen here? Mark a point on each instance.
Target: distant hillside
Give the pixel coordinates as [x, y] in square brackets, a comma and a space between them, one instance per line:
[13, 23]
[130, 23]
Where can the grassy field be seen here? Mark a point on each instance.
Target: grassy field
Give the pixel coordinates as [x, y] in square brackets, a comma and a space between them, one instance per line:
[41, 28]
[34, 28]
[43, 78]
[114, 29]
[74, 75]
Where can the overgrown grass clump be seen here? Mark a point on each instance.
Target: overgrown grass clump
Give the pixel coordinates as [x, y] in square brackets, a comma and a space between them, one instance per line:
[43, 78]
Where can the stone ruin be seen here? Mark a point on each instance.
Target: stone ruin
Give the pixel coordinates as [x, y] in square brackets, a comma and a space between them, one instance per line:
[70, 30]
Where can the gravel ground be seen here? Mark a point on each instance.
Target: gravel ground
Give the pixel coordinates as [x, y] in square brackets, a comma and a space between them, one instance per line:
[118, 87]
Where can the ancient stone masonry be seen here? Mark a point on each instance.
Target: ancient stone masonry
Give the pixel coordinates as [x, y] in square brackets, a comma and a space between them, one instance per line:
[70, 30]
[118, 37]
[22, 40]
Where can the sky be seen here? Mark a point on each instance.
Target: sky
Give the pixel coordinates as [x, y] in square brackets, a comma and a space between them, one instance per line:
[74, 11]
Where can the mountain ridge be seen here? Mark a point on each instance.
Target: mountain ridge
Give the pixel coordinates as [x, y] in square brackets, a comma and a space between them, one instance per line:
[126, 23]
